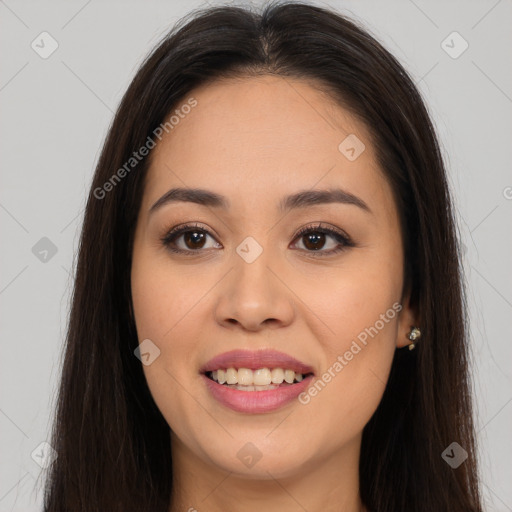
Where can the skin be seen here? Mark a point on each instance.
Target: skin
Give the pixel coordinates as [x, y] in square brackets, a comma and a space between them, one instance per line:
[255, 140]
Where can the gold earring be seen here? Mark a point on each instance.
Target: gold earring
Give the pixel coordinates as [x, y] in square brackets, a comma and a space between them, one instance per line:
[414, 335]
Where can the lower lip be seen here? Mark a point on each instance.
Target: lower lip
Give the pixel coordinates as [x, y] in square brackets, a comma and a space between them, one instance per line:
[256, 401]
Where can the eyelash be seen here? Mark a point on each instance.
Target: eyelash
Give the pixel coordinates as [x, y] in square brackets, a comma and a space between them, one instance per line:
[341, 237]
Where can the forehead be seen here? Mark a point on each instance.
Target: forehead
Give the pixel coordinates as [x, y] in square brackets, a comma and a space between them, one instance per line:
[260, 137]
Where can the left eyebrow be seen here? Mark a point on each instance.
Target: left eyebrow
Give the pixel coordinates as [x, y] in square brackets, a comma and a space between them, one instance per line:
[306, 198]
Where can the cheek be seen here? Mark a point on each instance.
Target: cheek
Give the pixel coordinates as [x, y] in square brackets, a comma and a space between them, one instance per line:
[162, 307]
[164, 295]
[351, 296]
[358, 359]
[171, 309]
[360, 305]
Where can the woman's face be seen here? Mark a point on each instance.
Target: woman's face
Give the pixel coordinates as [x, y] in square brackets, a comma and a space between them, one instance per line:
[246, 280]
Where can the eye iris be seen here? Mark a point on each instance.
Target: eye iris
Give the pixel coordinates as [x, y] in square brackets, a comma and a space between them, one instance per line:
[314, 238]
[195, 236]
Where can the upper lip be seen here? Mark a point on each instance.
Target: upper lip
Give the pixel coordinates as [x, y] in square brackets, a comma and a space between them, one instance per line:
[255, 360]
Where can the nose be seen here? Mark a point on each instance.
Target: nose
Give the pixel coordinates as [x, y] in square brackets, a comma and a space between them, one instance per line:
[254, 296]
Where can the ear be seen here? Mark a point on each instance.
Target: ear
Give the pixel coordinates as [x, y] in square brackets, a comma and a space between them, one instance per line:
[409, 317]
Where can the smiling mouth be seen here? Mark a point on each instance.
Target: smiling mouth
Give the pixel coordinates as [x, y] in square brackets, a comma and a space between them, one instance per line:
[262, 379]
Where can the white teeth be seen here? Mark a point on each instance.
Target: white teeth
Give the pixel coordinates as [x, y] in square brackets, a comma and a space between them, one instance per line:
[262, 377]
[221, 376]
[254, 380]
[231, 376]
[277, 375]
[252, 388]
[245, 377]
[289, 375]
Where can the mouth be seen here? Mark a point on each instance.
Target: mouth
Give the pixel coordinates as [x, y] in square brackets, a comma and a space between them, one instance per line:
[255, 381]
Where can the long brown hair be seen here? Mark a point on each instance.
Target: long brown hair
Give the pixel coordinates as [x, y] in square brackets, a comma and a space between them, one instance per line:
[111, 440]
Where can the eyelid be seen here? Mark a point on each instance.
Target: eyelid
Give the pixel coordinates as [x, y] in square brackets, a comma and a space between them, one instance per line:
[323, 227]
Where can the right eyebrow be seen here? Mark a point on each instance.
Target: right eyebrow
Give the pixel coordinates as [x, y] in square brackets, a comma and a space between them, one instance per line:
[191, 195]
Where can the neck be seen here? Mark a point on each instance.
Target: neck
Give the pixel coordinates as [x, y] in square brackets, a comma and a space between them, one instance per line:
[330, 482]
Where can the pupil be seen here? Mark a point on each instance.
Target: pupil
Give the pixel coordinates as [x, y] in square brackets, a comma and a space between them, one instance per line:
[190, 236]
[314, 238]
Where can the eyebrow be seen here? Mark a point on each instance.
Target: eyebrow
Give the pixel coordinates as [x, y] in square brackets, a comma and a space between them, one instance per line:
[301, 199]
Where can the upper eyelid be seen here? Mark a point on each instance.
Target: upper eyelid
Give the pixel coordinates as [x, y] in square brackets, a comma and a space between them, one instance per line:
[195, 225]
[321, 226]
[178, 231]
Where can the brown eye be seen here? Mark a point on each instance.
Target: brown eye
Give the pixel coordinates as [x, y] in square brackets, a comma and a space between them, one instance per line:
[193, 239]
[314, 239]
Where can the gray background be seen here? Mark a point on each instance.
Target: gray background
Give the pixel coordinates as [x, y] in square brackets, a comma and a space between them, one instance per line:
[55, 114]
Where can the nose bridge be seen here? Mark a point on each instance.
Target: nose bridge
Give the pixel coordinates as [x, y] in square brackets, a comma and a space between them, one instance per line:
[252, 294]
[252, 276]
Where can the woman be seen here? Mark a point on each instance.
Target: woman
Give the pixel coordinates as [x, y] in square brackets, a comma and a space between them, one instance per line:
[268, 309]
